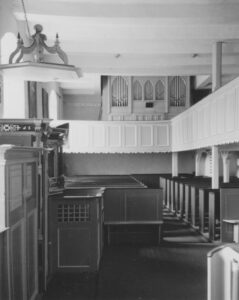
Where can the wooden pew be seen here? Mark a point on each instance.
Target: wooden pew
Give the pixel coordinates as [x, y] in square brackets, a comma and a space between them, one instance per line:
[132, 207]
[213, 214]
[163, 186]
[229, 203]
[181, 200]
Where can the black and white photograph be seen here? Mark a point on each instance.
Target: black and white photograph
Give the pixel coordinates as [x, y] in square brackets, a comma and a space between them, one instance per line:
[119, 149]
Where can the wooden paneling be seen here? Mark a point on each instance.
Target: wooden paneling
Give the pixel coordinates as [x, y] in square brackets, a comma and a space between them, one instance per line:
[212, 121]
[229, 204]
[20, 266]
[125, 206]
[118, 137]
[77, 255]
[75, 231]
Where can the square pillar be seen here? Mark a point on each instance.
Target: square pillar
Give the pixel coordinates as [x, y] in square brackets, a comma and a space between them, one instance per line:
[174, 164]
[226, 166]
[215, 167]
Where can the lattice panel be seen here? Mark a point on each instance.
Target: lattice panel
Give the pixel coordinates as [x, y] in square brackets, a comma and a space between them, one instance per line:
[73, 213]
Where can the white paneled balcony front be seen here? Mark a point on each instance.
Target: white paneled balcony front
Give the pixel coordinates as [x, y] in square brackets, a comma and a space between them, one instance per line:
[212, 121]
[118, 137]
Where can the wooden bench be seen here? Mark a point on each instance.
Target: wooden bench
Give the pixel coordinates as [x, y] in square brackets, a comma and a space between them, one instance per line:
[133, 207]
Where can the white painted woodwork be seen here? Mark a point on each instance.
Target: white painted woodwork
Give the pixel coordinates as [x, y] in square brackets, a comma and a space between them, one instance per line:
[212, 121]
[226, 165]
[223, 273]
[174, 164]
[215, 167]
[14, 97]
[216, 66]
[118, 137]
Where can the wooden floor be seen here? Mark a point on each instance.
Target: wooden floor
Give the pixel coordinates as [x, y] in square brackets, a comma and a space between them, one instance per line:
[137, 269]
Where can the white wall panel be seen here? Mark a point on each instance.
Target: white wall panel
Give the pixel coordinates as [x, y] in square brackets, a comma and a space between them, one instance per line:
[146, 135]
[162, 135]
[118, 137]
[98, 136]
[212, 121]
[130, 136]
[114, 136]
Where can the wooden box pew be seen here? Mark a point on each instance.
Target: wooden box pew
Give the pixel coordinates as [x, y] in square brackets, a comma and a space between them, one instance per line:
[229, 214]
[177, 192]
[163, 185]
[168, 193]
[76, 223]
[195, 196]
[133, 207]
[213, 214]
[204, 209]
[188, 198]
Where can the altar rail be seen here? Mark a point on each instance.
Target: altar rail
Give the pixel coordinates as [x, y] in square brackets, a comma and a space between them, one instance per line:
[118, 137]
[212, 121]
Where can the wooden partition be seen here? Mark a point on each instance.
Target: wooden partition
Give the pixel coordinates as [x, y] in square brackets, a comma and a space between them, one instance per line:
[172, 194]
[187, 203]
[203, 209]
[181, 200]
[133, 206]
[19, 195]
[76, 230]
[214, 214]
[163, 186]
[168, 192]
[229, 203]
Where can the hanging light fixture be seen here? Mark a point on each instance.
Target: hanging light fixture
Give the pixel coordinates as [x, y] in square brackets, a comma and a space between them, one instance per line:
[38, 69]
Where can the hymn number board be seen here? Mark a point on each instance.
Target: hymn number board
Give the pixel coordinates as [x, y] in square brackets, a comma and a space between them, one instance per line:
[21, 127]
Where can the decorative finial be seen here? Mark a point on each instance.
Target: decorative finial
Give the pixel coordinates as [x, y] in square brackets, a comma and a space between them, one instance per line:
[37, 47]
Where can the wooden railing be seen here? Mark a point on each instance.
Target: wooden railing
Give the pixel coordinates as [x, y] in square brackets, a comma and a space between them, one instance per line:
[118, 137]
[212, 121]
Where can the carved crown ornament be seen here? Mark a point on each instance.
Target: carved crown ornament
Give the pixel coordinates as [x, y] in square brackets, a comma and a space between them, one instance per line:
[38, 69]
[37, 47]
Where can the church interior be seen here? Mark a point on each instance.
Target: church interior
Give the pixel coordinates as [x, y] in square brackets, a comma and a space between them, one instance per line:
[119, 150]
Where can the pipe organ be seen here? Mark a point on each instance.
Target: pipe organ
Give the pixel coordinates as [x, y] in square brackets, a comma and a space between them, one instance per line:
[139, 98]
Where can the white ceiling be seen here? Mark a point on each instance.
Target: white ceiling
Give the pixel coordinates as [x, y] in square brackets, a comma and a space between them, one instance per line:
[140, 37]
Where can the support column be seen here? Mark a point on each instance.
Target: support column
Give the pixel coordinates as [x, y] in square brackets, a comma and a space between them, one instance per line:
[174, 164]
[215, 167]
[226, 166]
[216, 66]
[197, 162]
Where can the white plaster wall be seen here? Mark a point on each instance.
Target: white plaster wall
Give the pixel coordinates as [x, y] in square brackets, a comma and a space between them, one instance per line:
[81, 107]
[106, 164]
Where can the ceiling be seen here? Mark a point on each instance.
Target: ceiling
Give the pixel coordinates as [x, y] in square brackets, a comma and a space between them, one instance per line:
[140, 37]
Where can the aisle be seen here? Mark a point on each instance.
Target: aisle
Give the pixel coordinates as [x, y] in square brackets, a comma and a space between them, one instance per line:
[174, 270]
[134, 271]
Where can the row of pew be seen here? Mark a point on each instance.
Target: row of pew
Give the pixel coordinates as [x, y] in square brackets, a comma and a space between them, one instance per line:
[214, 212]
